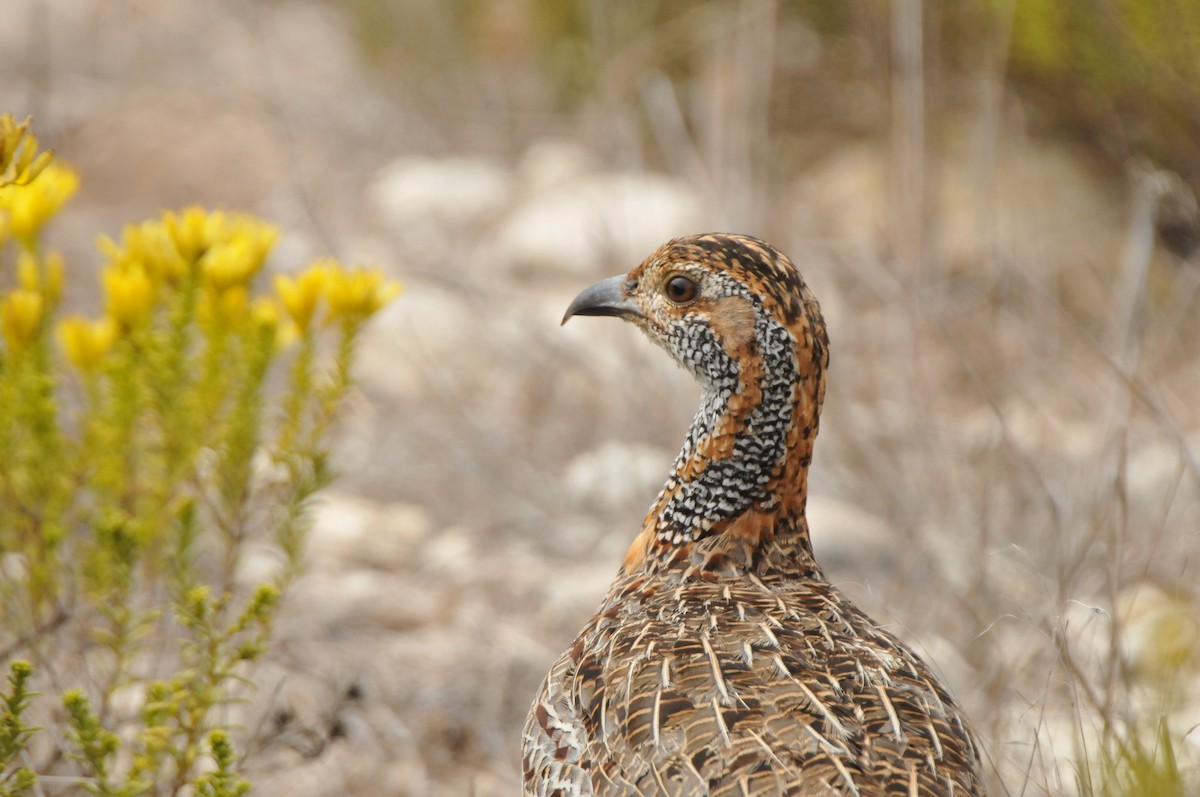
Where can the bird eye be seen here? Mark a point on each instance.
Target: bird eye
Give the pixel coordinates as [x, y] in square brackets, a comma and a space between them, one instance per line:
[681, 290]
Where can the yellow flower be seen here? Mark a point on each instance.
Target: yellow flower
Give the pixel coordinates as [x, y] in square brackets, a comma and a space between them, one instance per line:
[86, 342]
[20, 315]
[300, 295]
[45, 277]
[146, 246]
[196, 232]
[189, 230]
[229, 248]
[130, 296]
[257, 235]
[357, 294]
[232, 263]
[31, 206]
[20, 161]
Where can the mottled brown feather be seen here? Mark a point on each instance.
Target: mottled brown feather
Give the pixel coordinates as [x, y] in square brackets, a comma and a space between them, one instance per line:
[722, 662]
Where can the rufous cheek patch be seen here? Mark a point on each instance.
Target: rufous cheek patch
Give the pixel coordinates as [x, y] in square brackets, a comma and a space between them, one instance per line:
[732, 318]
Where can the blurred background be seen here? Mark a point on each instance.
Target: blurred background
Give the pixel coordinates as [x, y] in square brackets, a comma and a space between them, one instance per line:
[993, 200]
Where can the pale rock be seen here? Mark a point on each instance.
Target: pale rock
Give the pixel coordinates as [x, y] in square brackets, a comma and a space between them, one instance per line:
[572, 596]
[261, 563]
[386, 602]
[1154, 472]
[128, 700]
[588, 224]
[453, 191]
[333, 605]
[356, 531]
[587, 536]
[616, 473]
[430, 328]
[854, 546]
[550, 162]
[452, 553]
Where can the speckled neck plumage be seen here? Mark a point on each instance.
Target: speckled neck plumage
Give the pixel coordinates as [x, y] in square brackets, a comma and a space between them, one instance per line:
[736, 495]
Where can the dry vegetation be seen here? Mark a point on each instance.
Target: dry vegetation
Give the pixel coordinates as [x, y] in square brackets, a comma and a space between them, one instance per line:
[1009, 467]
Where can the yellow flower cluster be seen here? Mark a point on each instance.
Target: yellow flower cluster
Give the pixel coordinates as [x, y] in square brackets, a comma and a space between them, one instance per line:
[39, 284]
[181, 399]
[32, 190]
[222, 251]
[146, 247]
[228, 248]
[26, 207]
[216, 252]
[352, 295]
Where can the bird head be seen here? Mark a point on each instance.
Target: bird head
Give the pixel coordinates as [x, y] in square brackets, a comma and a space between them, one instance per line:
[735, 312]
[718, 303]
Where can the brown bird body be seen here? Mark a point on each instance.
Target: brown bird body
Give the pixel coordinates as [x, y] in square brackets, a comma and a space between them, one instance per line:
[722, 662]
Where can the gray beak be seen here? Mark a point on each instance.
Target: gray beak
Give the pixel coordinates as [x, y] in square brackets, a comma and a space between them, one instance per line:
[606, 297]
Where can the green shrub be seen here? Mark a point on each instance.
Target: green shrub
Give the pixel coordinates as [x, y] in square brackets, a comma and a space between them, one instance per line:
[141, 456]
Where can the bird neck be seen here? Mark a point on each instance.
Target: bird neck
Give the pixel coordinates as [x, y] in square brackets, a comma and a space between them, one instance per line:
[736, 495]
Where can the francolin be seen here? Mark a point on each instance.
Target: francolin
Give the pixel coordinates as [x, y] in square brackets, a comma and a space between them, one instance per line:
[722, 662]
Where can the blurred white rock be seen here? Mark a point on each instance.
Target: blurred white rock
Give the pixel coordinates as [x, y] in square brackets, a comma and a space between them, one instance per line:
[429, 325]
[452, 191]
[1155, 473]
[572, 592]
[852, 544]
[597, 222]
[615, 474]
[550, 162]
[261, 563]
[453, 553]
[352, 530]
